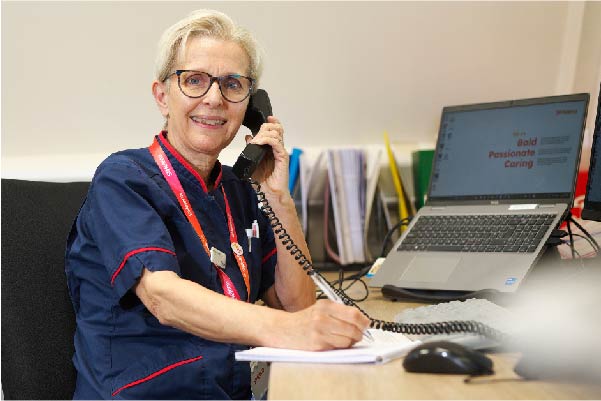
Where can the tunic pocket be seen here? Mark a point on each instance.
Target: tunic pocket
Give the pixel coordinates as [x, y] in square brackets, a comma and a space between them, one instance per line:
[172, 372]
[195, 370]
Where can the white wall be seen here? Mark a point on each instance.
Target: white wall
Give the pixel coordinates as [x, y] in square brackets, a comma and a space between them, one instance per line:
[76, 75]
[587, 70]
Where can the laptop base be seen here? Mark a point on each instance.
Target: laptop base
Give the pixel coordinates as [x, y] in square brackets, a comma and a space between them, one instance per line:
[435, 296]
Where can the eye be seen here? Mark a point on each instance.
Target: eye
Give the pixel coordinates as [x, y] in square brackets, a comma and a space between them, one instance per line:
[196, 79]
[232, 83]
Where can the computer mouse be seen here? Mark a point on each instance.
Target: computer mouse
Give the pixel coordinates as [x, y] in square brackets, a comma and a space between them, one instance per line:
[447, 357]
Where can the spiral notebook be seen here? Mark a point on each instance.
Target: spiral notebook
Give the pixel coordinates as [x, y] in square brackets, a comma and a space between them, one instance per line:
[385, 347]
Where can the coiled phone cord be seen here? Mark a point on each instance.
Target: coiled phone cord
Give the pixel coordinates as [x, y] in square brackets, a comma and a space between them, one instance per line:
[469, 326]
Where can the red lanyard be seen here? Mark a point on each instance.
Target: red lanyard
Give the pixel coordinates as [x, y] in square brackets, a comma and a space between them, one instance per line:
[169, 173]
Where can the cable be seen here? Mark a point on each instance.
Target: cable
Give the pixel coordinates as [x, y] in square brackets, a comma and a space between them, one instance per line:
[402, 222]
[571, 236]
[357, 276]
[585, 233]
[469, 326]
[364, 284]
[587, 236]
[360, 273]
[353, 279]
[589, 241]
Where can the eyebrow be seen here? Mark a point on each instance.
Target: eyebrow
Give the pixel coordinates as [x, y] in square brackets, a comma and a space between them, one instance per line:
[224, 75]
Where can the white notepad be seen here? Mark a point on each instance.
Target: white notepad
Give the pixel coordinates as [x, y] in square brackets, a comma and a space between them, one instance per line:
[386, 347]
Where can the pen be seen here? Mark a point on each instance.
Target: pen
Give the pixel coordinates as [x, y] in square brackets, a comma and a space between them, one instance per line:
[255, 229]
[324, 286]
[249, 235]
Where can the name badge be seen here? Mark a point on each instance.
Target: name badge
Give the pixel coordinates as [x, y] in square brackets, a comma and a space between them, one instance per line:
[259, 379]
[218, 258]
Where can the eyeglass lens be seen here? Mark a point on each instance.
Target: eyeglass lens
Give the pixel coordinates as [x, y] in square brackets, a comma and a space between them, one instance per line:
[233, 87]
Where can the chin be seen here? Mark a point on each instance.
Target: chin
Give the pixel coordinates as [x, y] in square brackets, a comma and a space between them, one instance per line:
[209, 146]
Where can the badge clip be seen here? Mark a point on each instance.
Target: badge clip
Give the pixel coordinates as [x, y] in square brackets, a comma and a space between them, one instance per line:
[237, 248]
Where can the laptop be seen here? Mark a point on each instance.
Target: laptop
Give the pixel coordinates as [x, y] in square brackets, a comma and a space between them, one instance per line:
[503, 177]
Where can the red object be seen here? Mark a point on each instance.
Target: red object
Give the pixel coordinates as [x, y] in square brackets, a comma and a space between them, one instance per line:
[171, 177]
[581, 181]
[155, 374]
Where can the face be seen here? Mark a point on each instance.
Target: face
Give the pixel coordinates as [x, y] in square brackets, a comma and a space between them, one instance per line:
[205, 125]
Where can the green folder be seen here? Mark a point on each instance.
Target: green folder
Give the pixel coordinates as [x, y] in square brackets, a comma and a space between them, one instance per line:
[421, 163]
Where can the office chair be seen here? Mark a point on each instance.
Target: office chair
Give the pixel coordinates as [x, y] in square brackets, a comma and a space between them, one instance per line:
[38, 321]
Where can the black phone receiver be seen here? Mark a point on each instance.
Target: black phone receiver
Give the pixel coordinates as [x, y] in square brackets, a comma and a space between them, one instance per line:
[259, 108]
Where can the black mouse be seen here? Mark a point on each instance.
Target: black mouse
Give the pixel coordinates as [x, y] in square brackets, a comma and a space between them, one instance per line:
[447, 357]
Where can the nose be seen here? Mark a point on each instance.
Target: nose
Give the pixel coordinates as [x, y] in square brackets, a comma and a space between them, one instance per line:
[213, 96]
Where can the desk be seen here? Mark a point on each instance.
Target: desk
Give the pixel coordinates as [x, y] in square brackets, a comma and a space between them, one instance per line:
[390, 381]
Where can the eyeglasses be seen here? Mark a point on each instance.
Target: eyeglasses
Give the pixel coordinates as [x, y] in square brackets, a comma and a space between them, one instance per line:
[234, 88]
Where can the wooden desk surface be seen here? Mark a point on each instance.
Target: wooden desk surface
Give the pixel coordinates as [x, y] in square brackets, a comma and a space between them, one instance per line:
[391, 381]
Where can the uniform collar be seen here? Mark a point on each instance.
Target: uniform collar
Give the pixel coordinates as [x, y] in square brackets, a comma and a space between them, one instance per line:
[216, 173]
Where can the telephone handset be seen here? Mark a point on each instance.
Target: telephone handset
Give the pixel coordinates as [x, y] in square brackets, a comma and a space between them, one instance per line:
[259, 108]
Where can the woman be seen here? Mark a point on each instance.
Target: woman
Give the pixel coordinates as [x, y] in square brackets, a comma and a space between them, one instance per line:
[162, 274]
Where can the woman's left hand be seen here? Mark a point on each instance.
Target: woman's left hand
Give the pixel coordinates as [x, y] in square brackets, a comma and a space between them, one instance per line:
[272, 172]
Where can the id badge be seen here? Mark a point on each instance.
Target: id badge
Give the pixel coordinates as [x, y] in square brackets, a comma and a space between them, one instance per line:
[259, 373]
[218, 258]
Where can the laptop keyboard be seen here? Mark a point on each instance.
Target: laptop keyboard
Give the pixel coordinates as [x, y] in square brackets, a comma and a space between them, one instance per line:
[477, 233]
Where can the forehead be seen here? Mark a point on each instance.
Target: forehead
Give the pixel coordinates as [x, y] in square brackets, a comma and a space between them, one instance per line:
[215, 56]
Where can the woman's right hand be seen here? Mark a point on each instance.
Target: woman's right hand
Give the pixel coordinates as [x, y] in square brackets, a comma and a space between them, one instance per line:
[322, 326]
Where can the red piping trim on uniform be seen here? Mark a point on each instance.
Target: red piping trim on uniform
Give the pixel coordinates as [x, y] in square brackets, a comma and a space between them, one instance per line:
[270, 254]
[183, 161]
[155, 374]
[135, 251]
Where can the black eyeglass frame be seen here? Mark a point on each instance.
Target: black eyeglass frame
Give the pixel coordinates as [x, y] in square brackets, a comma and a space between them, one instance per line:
[212, 79]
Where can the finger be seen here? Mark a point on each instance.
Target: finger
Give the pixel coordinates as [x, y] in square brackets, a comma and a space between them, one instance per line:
[272, 119]
[273, 128]
[337, 341]
[262, 137]
[328, 333]
[273, 123]
[334, 333]
[344, 330]
[272, 132]
[272, 140]
[343, 320]
[269, 133]
[351, 315]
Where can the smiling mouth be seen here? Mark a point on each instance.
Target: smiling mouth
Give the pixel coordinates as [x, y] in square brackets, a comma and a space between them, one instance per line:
[208, 121]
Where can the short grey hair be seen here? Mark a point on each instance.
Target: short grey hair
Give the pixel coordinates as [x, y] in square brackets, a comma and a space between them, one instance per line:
[205, 23]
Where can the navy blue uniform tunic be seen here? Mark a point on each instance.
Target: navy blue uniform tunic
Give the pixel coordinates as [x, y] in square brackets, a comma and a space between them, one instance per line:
[131, 220]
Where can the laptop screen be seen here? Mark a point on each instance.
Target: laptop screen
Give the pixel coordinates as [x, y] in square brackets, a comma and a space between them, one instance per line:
[592, 200]
[517, 150]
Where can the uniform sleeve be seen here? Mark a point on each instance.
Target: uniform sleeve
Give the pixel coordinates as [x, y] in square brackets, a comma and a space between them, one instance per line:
[126, 224]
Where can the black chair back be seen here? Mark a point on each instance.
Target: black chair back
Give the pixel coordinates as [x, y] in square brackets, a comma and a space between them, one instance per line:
[38, 321]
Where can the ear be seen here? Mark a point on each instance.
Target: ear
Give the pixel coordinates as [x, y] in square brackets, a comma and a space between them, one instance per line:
[159, 92]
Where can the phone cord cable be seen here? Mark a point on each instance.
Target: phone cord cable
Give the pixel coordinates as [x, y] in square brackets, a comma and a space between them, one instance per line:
[449, 327]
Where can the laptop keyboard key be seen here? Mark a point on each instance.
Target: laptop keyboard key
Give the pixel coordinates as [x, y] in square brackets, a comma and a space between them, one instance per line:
[444, 248]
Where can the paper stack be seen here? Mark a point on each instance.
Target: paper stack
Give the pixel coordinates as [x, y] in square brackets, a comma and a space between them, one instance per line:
[386, 347]
[352, 175]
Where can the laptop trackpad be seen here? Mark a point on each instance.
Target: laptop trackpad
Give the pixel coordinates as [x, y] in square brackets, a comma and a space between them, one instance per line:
[430, 269]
